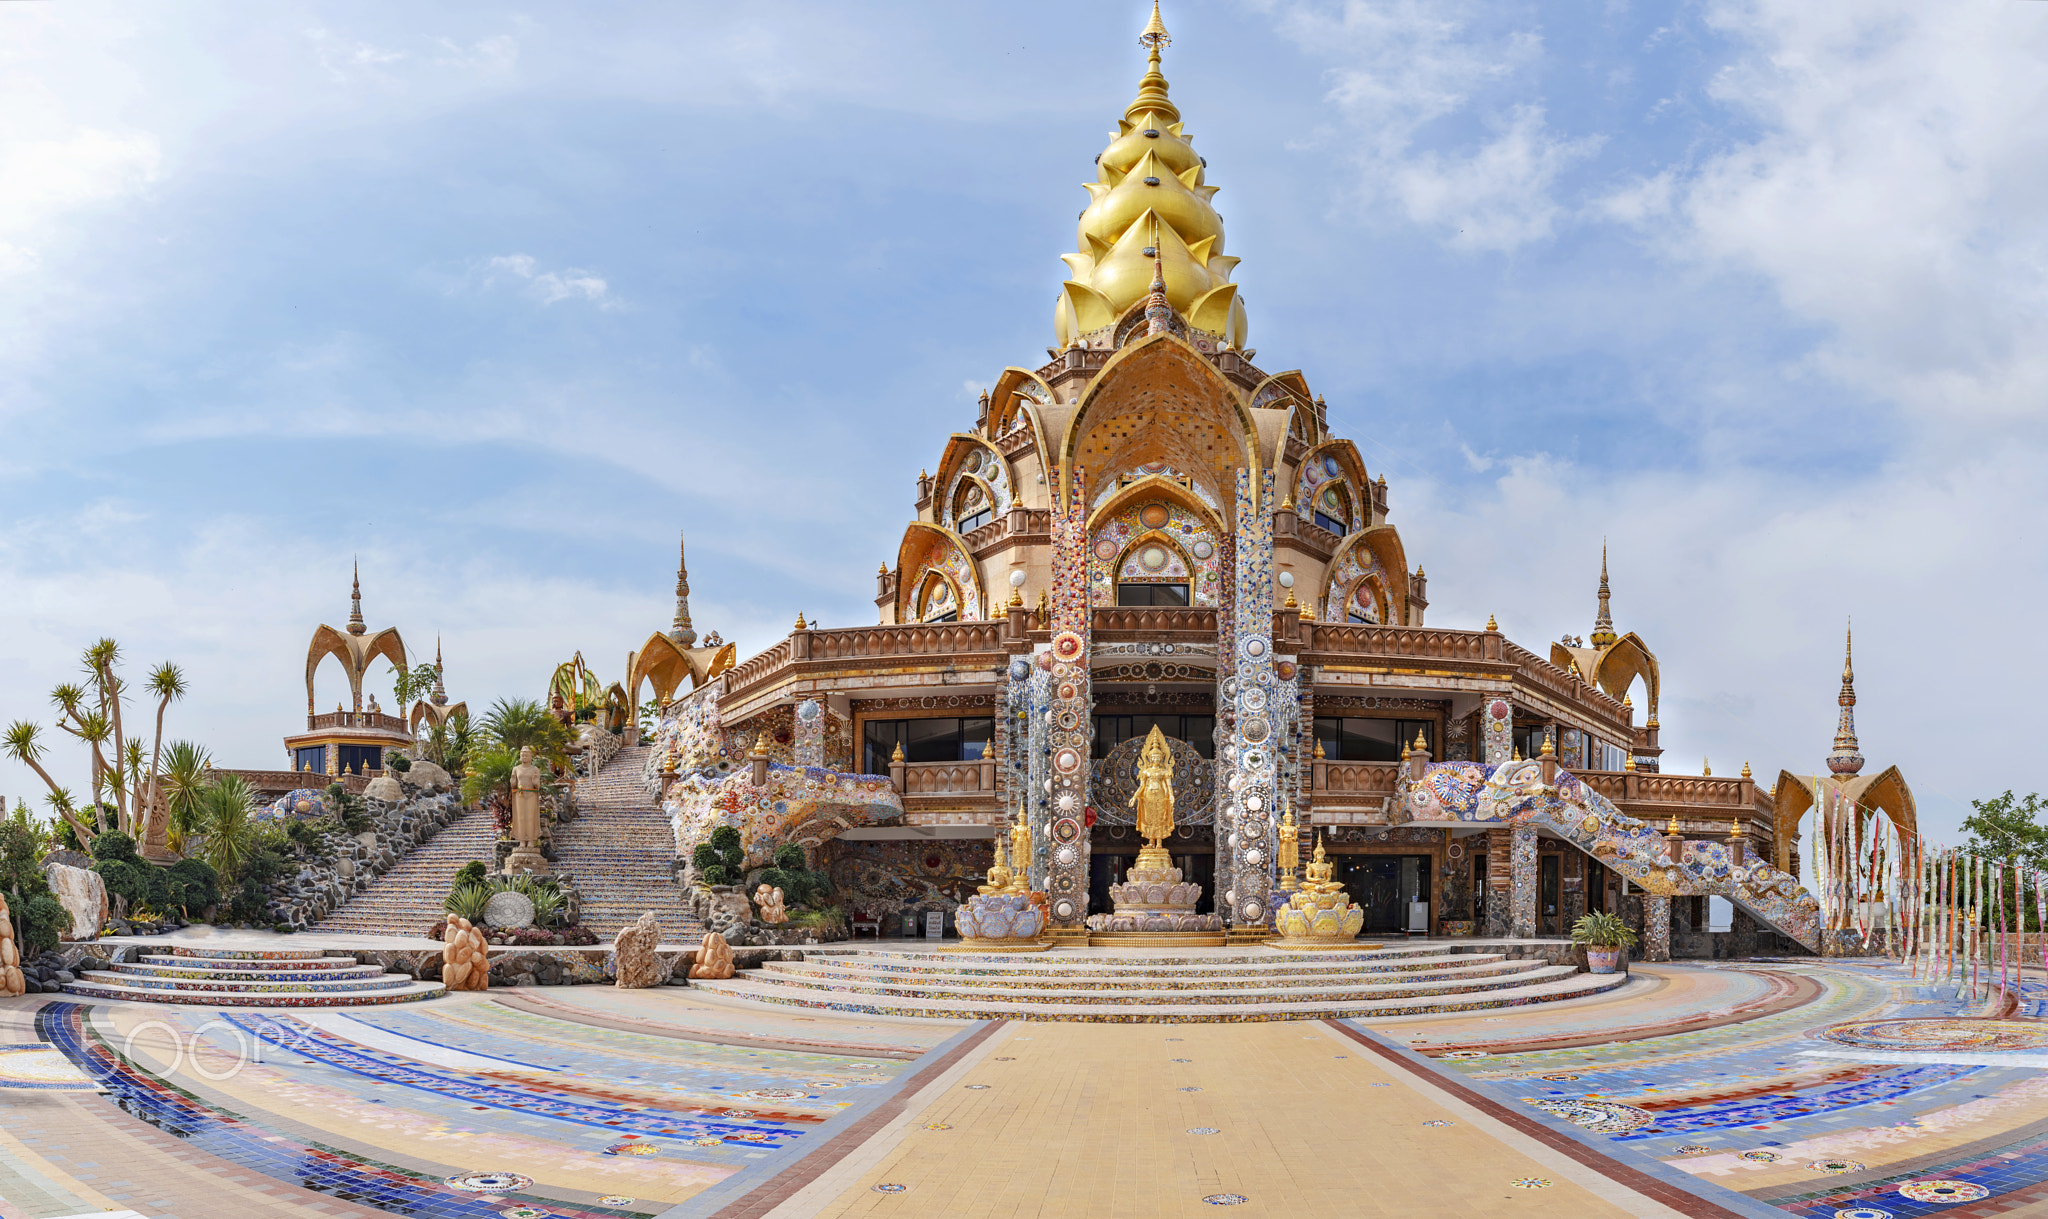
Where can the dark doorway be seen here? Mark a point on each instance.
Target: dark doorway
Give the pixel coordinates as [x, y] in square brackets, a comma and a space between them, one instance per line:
[1385, 885]
[1549, 895]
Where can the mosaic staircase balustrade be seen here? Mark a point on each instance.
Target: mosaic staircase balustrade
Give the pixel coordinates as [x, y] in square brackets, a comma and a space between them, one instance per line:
[1514, 793]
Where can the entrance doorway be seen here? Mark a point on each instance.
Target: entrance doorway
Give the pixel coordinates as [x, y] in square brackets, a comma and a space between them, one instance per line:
[1385, 885]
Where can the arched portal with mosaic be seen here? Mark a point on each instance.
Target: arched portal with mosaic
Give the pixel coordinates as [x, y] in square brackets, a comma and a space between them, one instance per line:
[1357, 589]
[1159, 401]
[1155, 532]
[1330, 488]
[941, 575]
[975, 482]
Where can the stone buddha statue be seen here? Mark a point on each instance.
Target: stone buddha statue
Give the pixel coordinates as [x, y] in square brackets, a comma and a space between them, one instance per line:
[1154, 801]
[526, 856]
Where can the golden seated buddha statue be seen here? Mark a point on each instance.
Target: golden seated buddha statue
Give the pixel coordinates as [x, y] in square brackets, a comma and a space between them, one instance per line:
[1319, 914]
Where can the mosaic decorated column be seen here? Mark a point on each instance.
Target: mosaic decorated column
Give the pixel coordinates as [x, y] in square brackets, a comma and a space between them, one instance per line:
[1258, 697]
[1226, 717]
[1072, 707]
[808, 746]
[1522, 881]
[1656, 929]
[1497, 729]
[1027, 761]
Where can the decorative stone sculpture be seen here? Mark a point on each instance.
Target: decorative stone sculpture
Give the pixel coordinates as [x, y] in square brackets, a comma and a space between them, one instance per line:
[1319, 914]
[508, 910]
[770, 901]
[84, 896]
[714, 958]
[1000, 922]
[526, 857]
[633, 948]
[465, 957]
[11, 982]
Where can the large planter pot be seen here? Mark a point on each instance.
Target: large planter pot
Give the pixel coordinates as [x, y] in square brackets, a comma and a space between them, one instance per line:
[1602, 960]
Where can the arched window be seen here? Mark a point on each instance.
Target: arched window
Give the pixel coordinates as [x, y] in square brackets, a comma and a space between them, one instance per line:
[1332, 508]
[971, 507]
[1362, 604]
[936, 600]
[1153, 570]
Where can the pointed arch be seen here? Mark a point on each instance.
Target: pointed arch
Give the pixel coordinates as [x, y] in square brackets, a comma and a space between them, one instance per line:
[355, 652]
[1014, 388]
[929, 547]
[1175, 407]
[1620, 663]
[663, 663]
[1316, 470]
[1156, 487]
[434, 714]
[1377, 549]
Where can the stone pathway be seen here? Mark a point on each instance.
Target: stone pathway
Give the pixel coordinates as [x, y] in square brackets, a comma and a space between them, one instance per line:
[619, 849]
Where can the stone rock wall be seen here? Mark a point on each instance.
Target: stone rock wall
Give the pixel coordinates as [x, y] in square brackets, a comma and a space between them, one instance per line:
[320, 886]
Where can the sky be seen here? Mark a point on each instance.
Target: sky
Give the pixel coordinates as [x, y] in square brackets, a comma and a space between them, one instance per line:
[497, 299]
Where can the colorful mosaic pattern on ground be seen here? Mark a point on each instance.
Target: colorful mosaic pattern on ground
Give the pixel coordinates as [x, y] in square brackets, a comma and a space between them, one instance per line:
[1514, 794]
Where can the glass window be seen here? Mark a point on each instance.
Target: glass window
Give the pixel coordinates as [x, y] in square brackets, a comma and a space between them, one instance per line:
[936, 739]
[974, 521]
[1332, 524]
[1151, 594]
[361, 759]
[313, 756]
[1357, 739]
[1197, 730]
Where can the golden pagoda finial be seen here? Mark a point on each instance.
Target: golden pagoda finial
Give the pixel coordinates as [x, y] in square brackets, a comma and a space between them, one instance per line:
[1518, 754]
[1847, 759]
[1549, 745]
[898, 755]
[1491, 625]
[1319, 749]
[1287, 505]
[1706, 768]
[1017, 597]
[801, 625]
[1420, 744]
[1672, 829]
[1603, 623]
[1737, 830]
[355, 599]
[1628, 761]
[1745, 769]
[681, 631]
[1290, 603]
[1152, 86]
[1307, 614]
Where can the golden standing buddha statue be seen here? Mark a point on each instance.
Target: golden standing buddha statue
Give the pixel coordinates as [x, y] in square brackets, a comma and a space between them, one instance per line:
[1020, 856]
[1154, 801]
[1290, 852]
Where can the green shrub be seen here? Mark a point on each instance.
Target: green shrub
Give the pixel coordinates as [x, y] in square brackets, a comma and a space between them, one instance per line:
[114, 845]
[721, 860]
[398, 762]
[194, 885]
[547, 904]
[135, 882]
[472, 873]
[350, 812]
[21, 869]
[43, 920]
[468, 901]
[1600, 929]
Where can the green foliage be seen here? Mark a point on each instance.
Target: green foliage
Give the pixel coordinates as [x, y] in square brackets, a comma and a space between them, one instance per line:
[448, 745]
[490, 770]
[183, 780]
[547, 904]
[194, 885]
[790, 856]
[472, 873]
[468, 901]
[517, 722]
[829, 919]
[230, 830]
[721, 860]
[2010, 830]
[350, 810]
[21, 855]
[410, 685]
[40, 921]
[1599, 929]
[134, 881]
[398, 763]
[113, 845]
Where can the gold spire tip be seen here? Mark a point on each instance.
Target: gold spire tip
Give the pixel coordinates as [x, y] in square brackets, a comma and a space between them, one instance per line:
[1672, 829]
[1491, 625]
[801, 625]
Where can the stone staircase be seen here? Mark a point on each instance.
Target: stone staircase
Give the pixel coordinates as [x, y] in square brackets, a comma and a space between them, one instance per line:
[226, 977]
[620, 850]
[407, 900]
[1108, 987]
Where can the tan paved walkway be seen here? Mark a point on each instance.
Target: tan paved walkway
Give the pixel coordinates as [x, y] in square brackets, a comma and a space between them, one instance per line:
[1093, 1119]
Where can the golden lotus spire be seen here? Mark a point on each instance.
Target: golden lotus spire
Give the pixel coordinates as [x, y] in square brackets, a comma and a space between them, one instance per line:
[1149, 215]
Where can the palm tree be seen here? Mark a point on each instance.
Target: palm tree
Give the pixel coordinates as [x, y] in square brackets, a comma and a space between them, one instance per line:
[230, 834]
[183, 782]
[521, 721]
[22, 745]
[166, 682]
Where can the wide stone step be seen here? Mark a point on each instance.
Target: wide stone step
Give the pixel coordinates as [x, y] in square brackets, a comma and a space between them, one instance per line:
[262, 984]
[1052, 967]
[410, 992]
[324, 971]
[296, 964]
[1204, 982]
[1278, 991]
[752, 988]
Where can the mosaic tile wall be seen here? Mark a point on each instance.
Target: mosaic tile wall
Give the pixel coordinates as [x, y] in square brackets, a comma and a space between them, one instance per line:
[888, 879]
[945, 555]
[1072, 708]
[807, 746]
[985, 465]
[1317, 475]
[1497, 731]
[1256, 692]
[1226, 714]
[1345, 596]
[1111, 543]
[1522, 889]
[1656, 944]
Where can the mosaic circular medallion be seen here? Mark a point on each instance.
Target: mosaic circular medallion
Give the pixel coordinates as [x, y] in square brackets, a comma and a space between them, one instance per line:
[1862, 1212]
[1284, 670]
[1558, 1079]
[1254, 647]
[775, 1094]
[1439, 1122]
[1065, 855]
[1020, 669]
[1203, 1130]
[1067, 647]
[489, 1182]
[1941, 1189]
[938, 1125]
[1066, 761]
[1069, 690]
[890, 1187]
[1253, 910]
[1066, 829]
[1253, 699]
[707, 1142]
[630, 1149]
[1835, 1167]
[1203, 550]
[1226, 1199]
[1530, 1183]
[1943, 1035]
[1762, 1157]
[1464, 1054]
[615, 1200]
[1599, 1116]
[1693, 1149]
[524, 1212]
[1153, 516]
[1063, 910]
[37, 1067]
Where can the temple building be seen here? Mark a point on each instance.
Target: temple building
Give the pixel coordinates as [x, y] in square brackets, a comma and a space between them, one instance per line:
[1153, 530]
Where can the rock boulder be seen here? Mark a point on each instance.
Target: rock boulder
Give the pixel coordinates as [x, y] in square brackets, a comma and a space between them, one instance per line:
[12, 982]
[638, 966]
[714, 958]
[84, 896]
[384, 788]
[429, 776]
[465, 958]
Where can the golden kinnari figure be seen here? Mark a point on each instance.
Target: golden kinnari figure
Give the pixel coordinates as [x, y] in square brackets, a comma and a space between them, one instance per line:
[1154, 801]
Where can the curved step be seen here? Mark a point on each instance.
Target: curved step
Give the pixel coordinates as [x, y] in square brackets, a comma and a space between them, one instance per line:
[188, 959]
[1316, 990]
[349, 971]
[410, 992]
[858, 979]
[261, 984]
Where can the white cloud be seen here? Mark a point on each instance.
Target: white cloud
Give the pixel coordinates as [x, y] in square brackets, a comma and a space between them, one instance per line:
[547, 287]
[1497, 197]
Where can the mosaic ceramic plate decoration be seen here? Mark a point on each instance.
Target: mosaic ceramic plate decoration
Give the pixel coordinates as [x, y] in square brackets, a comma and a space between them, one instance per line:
[890, 1187]
[524, 1212]
[640, 1149]
[1693, 1149]
[938, 1125]
[1940, 1189]
[1226, 1199]
[707, 1142]
[490, 1182]
[1465, 1054]
[1599, 1116]
[1952, 1036]
[1530, 1183]
[1203, 1130]
[1762, 1157]
[1835, 1167]
[777, 1093]
[1191, 1089]
[1439, 1122]
[616, 1200]
[1557, 1079]
[977, 1087]
[1862, 1212]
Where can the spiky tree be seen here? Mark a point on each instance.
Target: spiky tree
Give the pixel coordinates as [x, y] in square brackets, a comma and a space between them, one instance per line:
[23, 743]
[167, 683]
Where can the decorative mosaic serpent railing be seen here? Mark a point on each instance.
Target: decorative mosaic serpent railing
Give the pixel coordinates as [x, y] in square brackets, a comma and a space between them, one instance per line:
[1514, 794]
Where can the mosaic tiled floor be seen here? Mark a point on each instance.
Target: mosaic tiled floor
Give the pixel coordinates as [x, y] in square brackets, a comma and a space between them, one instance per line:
[1836, 1091]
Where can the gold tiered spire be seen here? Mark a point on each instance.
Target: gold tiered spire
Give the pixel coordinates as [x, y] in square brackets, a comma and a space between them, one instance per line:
[1847, 759]
[1149, 210]
[1603, 624]
[681, 631]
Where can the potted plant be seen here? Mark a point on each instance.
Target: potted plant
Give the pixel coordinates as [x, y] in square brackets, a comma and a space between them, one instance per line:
[1604, 936]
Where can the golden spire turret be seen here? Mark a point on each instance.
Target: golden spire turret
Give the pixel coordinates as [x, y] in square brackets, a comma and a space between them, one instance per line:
[1149, 216]
[680, 630]
[1847, 759]
[1603, 623]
